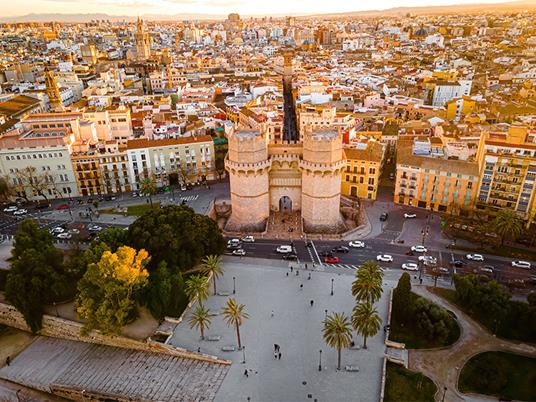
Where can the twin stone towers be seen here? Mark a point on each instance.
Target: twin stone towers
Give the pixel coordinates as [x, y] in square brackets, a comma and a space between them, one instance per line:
[287, 177]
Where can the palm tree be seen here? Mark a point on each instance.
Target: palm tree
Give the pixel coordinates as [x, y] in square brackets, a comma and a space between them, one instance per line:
[197, 287]
[235, 315]
[200, 319]
[212, 264]
[337, 333]
[366, 321]
[148, 187]
[368, 283]
[507, 224]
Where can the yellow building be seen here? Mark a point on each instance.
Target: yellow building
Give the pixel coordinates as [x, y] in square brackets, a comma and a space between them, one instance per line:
[363, 169]
[508, 163]
[427, 178]
[458, 108]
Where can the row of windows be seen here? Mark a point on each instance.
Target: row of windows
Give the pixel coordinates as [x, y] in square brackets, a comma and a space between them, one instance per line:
[34, 156]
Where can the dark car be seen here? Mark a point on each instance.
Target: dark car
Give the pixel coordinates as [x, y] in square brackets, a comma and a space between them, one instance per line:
[457, 263]
[62, 206]
[384, 216]
[340, 249]
[290, 256]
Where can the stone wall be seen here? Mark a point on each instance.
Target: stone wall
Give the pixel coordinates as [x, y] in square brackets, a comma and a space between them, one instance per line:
[61, 328]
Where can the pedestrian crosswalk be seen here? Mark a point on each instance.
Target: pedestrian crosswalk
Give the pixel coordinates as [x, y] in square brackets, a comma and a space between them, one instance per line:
[190, 198]
[344, 266]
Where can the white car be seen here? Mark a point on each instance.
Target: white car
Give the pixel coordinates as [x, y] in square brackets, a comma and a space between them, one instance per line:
[384, 258]
[241, 252]
[284, 249]
[475, 257]
[94, 228]
[12, 208]
[410, 216]
[410, 266]
[428, 258]
[74, 231]
[20, 212]
[521, 264]
[57, 230]
[248, 239]
[356, 244]
[64, 236]
[419, 249]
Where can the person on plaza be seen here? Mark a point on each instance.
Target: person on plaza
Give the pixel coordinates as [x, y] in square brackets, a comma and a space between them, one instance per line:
[297, 272]
[312, 302]
[309, 277]
[301, 286]
[275, 355]
[272, 313]
[246, 373]
[279, 356]
[291, 268]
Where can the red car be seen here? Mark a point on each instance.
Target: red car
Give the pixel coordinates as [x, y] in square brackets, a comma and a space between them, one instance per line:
[62, 206]
[332, 259]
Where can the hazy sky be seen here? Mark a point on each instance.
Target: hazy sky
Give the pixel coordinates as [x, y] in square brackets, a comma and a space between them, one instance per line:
[246, 7]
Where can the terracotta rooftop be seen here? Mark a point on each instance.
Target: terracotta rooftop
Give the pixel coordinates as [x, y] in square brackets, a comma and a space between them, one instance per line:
[144, 143]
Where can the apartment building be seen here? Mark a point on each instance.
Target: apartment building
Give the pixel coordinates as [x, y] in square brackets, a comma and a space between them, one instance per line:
[37, 163]
[508, 163]
[427, 178]
[191, 158]
[363, 169]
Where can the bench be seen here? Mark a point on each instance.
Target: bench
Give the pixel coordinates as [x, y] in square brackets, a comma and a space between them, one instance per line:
[213, 338]
[228, 348]
[351, 368]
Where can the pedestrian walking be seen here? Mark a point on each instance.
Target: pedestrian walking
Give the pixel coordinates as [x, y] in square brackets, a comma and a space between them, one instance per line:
[275, 355]
[272, 313]
[297, 272]
[305, 265]
[309, 277]
[301, 286]
[246, 373]
[312, 302]
[420, 280]
[276, 347]
[279, 356]
[8, 360]
[291, 268]
[287, 273]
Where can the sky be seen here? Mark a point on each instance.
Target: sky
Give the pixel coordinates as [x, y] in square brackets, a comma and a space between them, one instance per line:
[219, 7]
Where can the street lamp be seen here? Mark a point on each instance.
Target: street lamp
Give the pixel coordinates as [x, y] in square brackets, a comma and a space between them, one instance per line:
[243, 355]
[234, 285]
[332, 280]
[444, 392]
[326, 312]
[320, 361]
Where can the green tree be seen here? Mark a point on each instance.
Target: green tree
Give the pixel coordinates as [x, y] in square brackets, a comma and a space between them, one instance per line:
[337, 333]
[212, 265]
[366, 321]
[507, 224]
[197, 288]
[108, 290]
[6, 190]
[368, 283]
[177, 235]
[200, 318]
[37, 276]
[148, 187]
[235, 314]
[164, 294]
[402, 298]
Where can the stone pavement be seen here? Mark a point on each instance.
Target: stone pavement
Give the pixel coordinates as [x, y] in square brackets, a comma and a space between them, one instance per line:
[443, 365]
[296, 327]
[103, 370]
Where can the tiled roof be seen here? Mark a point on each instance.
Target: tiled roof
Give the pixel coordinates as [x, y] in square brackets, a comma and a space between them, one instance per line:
[144, 143]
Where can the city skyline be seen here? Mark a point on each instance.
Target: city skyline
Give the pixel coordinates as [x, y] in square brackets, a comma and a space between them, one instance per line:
[214, 8]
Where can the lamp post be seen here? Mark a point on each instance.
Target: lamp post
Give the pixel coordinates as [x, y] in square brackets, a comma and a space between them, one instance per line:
[320, 361]
[332, 280]
[444, 392]
[326, 313]
[234, 285]
[243, 355]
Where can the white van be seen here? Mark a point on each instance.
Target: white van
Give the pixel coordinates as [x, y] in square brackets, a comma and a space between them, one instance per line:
[521, 264]
[284, 249]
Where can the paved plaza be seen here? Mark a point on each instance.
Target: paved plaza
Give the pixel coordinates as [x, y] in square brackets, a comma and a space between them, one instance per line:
[263, 286]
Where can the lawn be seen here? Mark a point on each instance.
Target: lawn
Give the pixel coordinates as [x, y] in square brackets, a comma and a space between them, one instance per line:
[132, 210]
[405, 385]
[415, 338]
[500, 374]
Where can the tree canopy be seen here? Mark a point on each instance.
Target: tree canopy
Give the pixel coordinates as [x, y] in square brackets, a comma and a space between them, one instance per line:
[37, 276]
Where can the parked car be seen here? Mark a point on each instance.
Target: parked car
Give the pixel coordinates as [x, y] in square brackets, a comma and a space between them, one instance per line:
[290, 257]
[410, 266]
[62, 206]
[239, 251]
[94, 228]
[384, 258]
[64, 235]
[356, 244]
[57, 229]
[410, 216]
[475, 257]
[457, 263]
[443, 270]
[284, 249]
[332, 259]
[419, 249]
[74, 231]
[248, 239]
[384, 216]
[487, 268]
[21, 211]
[340, 249]
[521, 264]
[11, 208]
[428, 258]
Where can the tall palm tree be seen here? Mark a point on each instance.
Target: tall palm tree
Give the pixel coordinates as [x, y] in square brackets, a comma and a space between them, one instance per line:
[148, 187]
[200, 318]
[366, 321]
[212, 265]
[197, 287]
[507, 224]
[337, 333]
[368, 283]
[234, 314]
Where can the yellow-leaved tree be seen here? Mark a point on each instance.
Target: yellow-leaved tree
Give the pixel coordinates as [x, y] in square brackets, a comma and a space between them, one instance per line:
[106, 297]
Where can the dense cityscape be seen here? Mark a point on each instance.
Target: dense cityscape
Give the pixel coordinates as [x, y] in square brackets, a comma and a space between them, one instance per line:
[269, 208]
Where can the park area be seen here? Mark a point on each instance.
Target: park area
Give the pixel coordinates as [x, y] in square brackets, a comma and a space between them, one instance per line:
[500, 374]
[408, 386]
